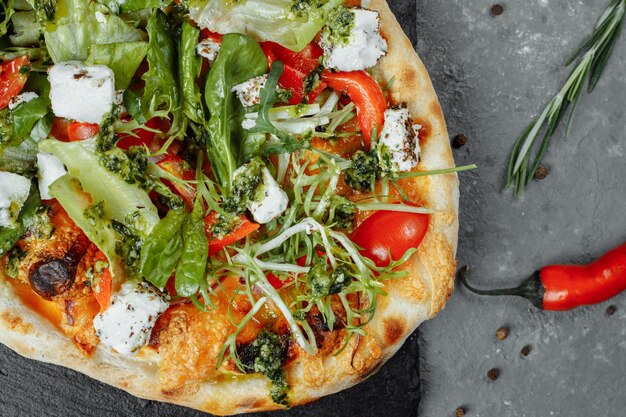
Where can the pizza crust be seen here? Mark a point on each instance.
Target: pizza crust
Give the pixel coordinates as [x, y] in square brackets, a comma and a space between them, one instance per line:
[411, 300]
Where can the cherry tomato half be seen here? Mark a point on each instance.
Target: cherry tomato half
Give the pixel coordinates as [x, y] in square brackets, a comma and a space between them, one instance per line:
[13, 75]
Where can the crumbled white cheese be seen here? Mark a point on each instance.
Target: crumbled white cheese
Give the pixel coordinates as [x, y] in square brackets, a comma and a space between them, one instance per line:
[22, 98]
[81, 92]
[270, 200]
[126, 324]
[249, 92]
[14, 190]
[208, 48]
[398, 146]
[50, 169]
[363, 47]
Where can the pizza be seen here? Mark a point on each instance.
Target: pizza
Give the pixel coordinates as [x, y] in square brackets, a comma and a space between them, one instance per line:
[233, 206]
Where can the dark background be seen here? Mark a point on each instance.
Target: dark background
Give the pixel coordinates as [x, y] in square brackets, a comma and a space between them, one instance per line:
[493, 75]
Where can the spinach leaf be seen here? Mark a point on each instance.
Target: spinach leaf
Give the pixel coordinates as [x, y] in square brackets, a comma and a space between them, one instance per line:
[10, 235]
[287, 144]
[123, 58]
[27, 114]
[190, 65]
[190, 271]
[162, 249]
[72, 34]
[162, 91]
[240, 59]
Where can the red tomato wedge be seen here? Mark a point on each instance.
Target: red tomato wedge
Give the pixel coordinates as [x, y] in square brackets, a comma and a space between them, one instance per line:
[366, 95]
[60, 128]
[243, 229]
[80, 131]
[177, 167]
[103, 292]
[390, 232]
[13, 75]
[297, 67]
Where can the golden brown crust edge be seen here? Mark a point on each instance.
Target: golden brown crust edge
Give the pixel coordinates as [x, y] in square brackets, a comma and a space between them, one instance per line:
[411, 300]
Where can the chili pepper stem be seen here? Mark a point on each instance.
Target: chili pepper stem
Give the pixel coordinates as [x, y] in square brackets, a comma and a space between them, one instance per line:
[531, 289]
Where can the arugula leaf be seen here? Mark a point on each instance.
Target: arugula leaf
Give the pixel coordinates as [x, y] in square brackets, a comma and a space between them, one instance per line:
[291, 23]
[162, 91]
[190, 272]
[240, 59]
[123, 58]
[162, 249]
[288, 144]
[27, 114]
[72, 34]
[10, 235]
[190, 65]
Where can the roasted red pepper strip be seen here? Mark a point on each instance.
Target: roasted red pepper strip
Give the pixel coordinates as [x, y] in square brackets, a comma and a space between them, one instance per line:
[80, 131]
[243, 229]
[366, 95]
[565, 287]
[13, 75]
[297, 67]
[177, 167]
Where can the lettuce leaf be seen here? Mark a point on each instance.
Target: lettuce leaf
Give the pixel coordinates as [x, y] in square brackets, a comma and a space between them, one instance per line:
[291, 23]
[76, 29]
[123, 58]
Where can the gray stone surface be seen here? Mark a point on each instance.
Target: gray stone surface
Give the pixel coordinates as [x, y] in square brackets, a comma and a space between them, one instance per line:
[493, 74]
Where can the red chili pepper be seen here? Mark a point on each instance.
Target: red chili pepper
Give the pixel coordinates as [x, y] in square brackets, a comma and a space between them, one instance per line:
[565, 287]
[297, 67]
[367, 96]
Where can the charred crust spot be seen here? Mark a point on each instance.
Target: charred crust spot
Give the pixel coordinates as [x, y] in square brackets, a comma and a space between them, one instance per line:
[394, 330]
[425, 130]
[15, 322]
[407, 76]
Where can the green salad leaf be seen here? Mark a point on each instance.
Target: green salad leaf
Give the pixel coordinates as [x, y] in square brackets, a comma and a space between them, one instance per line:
[25, 115]
[190, 65]
[10, 235]
[190, 272]
[240, 59]
[123, 58]
[291, 23]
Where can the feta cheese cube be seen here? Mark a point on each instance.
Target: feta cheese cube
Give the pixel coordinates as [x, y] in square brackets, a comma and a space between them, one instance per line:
[249, 92]
[22, 98]
[208, 48]
[398, 145]
[270, 201]
[50, 169]
[267, 201]
[357, 50]
[126, 325]
[14, 190]
[81, 92]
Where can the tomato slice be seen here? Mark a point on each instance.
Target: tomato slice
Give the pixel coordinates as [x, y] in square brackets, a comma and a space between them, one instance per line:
[367, 96]
[177, 167]
[390, 232]
[103, 292]
[13, 75]
[297, 67]
[60, 128]
[243, 229]
[81, 131]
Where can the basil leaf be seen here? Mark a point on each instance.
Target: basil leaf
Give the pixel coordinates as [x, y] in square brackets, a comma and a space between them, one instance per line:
[240, 59]
[190, 272]
[123, 58]
[162, 249]
[190, 65]
[25, 115]
[162, 91]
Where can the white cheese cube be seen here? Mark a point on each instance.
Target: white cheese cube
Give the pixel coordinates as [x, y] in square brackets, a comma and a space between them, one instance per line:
[126, 325]
[208, 48]
[270, 201]
[249, 92]
[50, 169]
[358, 50]
[14, 190]
[81, 92]
[398, 145]
[22, 98]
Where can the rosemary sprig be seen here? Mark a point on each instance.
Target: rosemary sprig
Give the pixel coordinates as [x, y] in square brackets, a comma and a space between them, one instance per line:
[591, 57]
